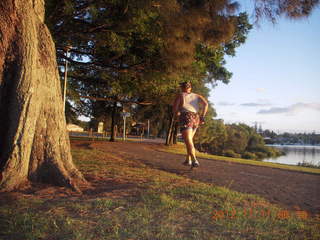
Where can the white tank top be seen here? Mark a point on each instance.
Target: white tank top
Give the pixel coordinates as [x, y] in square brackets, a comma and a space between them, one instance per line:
[190, 102]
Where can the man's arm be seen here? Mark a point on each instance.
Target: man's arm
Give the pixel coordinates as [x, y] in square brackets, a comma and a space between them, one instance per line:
[205, 105]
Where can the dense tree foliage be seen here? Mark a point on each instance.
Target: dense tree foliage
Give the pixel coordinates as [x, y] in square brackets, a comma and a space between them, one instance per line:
[133, 51]
[128, 52]
[273, 9]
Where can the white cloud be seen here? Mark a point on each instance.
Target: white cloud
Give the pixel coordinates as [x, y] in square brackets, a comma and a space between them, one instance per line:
[226, 103]
[260, 90]
[292, 109]
[252, 104]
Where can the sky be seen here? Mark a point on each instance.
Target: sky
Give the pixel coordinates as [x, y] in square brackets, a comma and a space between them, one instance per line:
[276, 78]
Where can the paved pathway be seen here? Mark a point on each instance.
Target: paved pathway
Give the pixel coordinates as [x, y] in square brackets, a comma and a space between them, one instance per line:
[289, 189]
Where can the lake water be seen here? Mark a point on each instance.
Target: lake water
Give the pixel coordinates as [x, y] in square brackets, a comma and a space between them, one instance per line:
[296, 154]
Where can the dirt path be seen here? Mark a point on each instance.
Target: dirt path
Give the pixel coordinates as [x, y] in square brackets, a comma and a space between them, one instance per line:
[289, 189]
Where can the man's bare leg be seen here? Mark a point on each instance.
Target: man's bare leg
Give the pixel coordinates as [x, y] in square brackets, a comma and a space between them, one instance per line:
[185, 135]
[188, 135]
[194, 160]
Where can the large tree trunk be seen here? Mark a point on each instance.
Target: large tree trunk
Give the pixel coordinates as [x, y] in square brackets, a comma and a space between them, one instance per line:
[34, 144]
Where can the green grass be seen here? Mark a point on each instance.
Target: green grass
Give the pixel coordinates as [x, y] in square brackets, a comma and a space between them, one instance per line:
[163, 206]
[180, 149]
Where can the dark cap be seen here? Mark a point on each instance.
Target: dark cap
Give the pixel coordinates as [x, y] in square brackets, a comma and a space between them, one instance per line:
[185, 84]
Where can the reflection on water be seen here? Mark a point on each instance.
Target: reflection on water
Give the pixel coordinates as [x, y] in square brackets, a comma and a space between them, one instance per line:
[296, 154]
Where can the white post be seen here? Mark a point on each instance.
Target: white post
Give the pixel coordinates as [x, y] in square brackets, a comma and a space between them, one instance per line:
[148, 128]
[124, 128]
[124, 116]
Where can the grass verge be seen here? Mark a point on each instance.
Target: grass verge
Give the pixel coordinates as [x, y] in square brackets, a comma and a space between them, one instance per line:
[156, 205]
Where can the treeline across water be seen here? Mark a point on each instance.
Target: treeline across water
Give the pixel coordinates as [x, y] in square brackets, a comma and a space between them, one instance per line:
[291, 138]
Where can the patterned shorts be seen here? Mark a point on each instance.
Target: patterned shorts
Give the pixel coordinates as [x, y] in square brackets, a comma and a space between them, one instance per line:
[188, 120]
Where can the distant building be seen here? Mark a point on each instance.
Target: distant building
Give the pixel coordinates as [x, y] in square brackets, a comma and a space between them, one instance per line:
[100, 127]
[268, 140]
[74, 128]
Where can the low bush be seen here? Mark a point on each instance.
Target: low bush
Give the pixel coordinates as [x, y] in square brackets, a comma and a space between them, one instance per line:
[263, 151]
[261, 155]
[231, 153]
[249, 155]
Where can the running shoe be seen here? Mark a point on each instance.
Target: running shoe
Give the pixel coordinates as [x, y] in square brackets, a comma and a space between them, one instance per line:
[187, 163]
[195, 164]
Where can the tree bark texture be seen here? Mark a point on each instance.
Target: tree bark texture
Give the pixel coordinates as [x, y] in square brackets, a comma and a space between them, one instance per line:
[113, 122]
[175, 133]
[170, 131]
[34, 144]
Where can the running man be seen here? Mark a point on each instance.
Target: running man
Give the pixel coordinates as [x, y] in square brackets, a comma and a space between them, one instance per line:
[187, 106]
